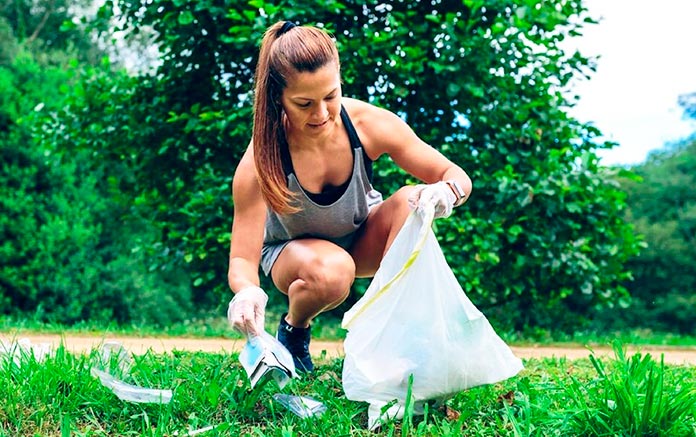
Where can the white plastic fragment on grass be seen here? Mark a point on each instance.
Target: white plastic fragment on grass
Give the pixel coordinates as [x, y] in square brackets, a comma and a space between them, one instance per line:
[132, 393]
[195, 432]
[115, 350]
[124, 391]
[23, 348]
[301, 406]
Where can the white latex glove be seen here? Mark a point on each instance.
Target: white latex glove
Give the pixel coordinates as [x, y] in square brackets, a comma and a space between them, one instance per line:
[439, 195]
[247, 311]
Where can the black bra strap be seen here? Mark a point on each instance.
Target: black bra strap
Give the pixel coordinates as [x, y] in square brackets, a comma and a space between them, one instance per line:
[355, 141]
[352, 137]
[285, 158]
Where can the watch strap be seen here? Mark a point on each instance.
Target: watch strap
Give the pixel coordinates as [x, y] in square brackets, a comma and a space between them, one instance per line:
[459, 193]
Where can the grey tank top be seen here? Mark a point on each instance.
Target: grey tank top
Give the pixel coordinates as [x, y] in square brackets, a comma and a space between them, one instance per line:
[337, 221]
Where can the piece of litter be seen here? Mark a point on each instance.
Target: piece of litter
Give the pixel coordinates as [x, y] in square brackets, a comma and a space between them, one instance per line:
[376, 417]
[23, 348]
[264, 357]
[132, 393]
[301, 406]
[194, 432]
[115, 350]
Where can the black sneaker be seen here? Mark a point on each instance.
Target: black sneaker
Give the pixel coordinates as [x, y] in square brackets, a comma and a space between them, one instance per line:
[296, 340]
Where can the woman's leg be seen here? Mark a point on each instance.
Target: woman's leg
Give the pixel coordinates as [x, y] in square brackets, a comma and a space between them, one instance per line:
[316, 275]
[378, 233]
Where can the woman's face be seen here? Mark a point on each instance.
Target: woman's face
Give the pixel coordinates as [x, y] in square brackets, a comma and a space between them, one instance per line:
[312, 101]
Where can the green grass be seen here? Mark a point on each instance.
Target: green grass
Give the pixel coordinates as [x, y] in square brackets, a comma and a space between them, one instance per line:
[625, 396]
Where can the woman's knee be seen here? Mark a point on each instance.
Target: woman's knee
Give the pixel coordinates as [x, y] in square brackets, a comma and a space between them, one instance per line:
[400, 199]
[396, 208]
[329, 276]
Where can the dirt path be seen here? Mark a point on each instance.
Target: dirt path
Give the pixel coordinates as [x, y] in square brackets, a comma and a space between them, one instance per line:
[332, 349]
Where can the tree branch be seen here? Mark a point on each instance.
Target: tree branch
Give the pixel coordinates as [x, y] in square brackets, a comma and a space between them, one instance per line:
[50, 8]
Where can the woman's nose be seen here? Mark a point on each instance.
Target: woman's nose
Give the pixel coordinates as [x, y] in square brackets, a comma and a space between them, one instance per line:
[321, 111]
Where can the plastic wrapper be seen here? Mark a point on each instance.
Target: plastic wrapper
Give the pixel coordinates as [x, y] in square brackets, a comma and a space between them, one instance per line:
[132, 393]
[301, 406]
[264, 357]
[114, 354]
[23, 348]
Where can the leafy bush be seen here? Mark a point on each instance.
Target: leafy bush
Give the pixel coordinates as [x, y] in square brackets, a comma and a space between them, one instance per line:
[149, 157]
[67, 254]
[662, 207]
[542, 239]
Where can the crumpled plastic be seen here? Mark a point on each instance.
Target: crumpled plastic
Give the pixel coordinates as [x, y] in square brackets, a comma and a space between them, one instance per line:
[113, 353]
[130, 392]
[301, 406]
[264, 357]
[23, 348]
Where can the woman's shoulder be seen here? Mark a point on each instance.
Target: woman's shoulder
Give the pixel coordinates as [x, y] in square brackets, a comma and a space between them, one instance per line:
[363, 114]
[379, 129]
[246, 167]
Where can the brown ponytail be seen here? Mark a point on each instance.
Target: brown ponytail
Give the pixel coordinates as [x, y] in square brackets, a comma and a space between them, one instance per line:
[285, 50]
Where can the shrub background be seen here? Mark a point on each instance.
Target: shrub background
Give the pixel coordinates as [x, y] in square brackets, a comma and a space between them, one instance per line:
[117, 182]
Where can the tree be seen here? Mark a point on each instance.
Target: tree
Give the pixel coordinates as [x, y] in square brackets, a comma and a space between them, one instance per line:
[662, 205]
[44, 232]
[50, 29]
[482, 81]
[65, 254]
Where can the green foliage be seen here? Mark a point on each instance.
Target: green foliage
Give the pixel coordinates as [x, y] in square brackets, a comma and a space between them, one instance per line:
[50, 29]
[542, 239]
[130, 288]
[8, 42]
[662, 205]
[46, 237]
[65, 254]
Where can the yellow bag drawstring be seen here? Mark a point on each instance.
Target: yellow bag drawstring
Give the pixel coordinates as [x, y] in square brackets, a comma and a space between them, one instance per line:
[428, 216]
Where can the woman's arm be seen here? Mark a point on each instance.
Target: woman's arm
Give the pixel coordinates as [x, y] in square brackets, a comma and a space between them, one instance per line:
[247, 226]
[383, 132]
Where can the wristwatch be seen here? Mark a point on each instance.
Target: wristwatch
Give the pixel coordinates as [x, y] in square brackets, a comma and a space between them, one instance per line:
[459, 193]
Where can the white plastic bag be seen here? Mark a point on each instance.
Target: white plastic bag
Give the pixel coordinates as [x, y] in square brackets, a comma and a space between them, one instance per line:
[415, 319]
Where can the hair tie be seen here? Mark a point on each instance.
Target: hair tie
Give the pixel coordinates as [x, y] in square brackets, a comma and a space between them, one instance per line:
[286, 26]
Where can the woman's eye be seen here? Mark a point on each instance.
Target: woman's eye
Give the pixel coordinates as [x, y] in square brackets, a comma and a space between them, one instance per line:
[304, 105]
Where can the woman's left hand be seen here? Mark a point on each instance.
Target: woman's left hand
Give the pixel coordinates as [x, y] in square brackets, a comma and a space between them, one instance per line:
[439, 195]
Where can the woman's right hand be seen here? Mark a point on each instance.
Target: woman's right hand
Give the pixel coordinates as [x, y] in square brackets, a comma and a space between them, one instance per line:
[247, 311]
